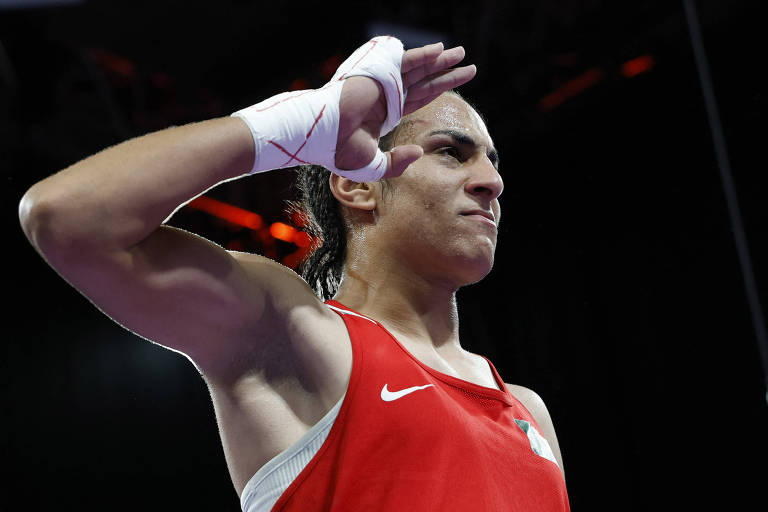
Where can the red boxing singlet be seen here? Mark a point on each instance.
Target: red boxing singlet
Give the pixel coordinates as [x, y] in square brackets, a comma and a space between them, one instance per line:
[408, 437]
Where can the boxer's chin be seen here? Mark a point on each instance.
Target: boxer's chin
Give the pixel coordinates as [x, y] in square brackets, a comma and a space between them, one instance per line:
[481, 273]
[473, 269]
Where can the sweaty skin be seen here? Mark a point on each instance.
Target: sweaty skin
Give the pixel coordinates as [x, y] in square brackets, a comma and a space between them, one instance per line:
[415, 234]
[412, 247]
[276, 359]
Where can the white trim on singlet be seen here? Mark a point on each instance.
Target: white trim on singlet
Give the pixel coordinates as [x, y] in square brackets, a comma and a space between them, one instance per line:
[345, 312]
[270, 482]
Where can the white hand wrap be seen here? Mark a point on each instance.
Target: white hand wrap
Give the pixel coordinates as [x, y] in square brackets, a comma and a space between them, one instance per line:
[301, 127]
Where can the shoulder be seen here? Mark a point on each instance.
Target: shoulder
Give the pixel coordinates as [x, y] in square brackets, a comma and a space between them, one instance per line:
[291, 305]
[293, 318]
[287, 293]
[266, 268]
[297, 337]
[535, 405]
[530, 399]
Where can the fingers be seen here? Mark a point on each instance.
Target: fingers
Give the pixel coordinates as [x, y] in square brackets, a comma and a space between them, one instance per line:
[441, 62]
[400, 157]
[433, 86]
[427, 73]
[414, 105]
[419, 56]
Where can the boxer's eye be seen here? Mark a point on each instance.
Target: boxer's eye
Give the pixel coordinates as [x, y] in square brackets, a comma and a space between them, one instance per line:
[450, 151]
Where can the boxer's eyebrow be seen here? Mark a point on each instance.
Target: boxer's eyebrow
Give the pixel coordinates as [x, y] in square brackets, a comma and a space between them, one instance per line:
[465, 140]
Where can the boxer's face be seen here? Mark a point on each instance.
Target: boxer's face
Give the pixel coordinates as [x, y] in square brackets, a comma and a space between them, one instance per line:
[437, 206]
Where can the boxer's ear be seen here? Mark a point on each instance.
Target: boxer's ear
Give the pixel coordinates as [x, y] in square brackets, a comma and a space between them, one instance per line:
[361, 196]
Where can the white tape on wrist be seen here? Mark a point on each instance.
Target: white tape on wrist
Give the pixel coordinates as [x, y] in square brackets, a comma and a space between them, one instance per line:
[380, 59]
[301, 127]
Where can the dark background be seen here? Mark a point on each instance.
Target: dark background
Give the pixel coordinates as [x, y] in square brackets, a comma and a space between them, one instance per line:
[617, 293]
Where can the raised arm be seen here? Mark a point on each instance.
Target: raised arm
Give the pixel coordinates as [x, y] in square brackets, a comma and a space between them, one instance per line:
[99, 222]
[115, 199]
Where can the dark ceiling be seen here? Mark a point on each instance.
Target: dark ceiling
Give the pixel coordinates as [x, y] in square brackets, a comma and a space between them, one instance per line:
[617, 293]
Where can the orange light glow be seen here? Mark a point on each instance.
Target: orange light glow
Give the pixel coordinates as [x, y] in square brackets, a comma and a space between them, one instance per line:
[294, 259]
[299, 219]
[299, 85]
[302, 239]
[329, 67]
[225, 211]
[235, 245]
[114, 62]
[634, 67]
[570, 89]
[282, 231]
[265, 234]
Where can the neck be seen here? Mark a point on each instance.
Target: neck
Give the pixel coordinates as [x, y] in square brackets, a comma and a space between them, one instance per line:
[407, 303]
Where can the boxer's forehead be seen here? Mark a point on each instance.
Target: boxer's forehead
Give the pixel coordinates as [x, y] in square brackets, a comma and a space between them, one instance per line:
[447, 112]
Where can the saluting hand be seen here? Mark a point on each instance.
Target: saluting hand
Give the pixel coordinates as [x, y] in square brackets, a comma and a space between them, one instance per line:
[426, 74]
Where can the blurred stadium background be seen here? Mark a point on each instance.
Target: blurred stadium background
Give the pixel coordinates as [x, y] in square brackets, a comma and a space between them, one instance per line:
[617, 293]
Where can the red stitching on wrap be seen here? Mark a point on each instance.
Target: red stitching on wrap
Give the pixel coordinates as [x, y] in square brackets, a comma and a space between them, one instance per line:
[399, 96]
[293, 155]
[298, 93]
[281, 148]
[302, 93]
[373, 45]
[317, 119]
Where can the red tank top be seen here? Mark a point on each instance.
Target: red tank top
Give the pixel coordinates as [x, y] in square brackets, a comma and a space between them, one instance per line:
[408, 437]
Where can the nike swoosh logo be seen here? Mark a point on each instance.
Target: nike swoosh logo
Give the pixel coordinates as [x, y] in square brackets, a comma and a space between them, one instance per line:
[389, 396]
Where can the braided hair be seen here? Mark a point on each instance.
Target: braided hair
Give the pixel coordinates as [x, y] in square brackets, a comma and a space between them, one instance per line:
[323, 268]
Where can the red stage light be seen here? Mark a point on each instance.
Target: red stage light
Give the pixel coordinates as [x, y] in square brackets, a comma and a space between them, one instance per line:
[299, 85]
[227, 212]
[113, 62]
[634, 67]
[570, 89]
[330, 66]
[294, 259]
[282, 231]
[302, 239]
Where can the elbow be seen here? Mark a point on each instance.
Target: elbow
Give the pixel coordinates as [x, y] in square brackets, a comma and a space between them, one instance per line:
[32, 212]
[38, 218]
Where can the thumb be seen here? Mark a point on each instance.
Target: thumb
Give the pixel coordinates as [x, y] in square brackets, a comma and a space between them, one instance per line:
[399, 158]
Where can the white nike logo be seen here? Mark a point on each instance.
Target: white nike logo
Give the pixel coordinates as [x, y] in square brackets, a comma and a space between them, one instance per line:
[388, 395]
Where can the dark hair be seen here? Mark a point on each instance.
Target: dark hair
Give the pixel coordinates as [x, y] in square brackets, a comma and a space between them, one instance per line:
[323, 267]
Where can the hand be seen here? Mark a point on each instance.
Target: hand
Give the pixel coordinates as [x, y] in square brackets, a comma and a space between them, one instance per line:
[363, 108]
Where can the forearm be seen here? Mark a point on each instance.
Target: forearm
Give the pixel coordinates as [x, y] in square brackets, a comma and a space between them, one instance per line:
[116, 198]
